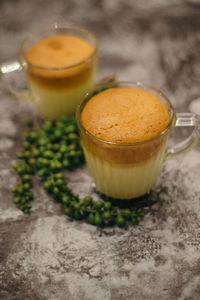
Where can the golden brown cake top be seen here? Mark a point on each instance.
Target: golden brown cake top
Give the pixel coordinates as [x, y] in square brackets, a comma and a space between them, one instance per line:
[125, 115]
[59, 51]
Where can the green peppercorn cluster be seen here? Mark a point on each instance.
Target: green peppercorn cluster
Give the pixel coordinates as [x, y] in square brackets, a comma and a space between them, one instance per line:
[47, 150]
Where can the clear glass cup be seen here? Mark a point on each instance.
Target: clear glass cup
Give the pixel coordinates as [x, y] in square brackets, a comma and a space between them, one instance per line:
[55, 91]
[130, 170]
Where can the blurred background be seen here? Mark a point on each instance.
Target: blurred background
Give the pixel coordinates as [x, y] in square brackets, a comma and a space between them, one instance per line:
[156, 42]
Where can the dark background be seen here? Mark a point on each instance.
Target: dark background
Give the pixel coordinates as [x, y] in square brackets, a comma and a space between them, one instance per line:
[45, 255]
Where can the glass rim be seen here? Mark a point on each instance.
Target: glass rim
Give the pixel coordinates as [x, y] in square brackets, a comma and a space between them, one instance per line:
[51, 29]
[124, 83]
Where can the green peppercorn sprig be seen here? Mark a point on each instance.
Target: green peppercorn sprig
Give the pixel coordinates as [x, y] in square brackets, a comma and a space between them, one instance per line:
[48, 149]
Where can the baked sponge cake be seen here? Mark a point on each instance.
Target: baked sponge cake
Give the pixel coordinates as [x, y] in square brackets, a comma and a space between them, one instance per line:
[125, 148]
[125, 115]
[59, 51]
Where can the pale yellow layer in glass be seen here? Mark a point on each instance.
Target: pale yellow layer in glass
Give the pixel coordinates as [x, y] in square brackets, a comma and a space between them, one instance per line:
[53, 103]
[124, 181]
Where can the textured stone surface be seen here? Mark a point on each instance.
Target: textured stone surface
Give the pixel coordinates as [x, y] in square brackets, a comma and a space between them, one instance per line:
[48, 256]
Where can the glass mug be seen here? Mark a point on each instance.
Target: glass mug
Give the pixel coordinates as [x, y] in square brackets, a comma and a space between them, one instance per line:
[130, 170]
[55, 90]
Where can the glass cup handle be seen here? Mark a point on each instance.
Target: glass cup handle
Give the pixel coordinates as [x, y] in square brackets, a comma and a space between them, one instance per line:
[10, 67]
[6, 69]
[185, 120]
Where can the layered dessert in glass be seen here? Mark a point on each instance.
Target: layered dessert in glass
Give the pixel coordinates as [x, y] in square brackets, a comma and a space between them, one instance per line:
[124, 130]
[60, 66]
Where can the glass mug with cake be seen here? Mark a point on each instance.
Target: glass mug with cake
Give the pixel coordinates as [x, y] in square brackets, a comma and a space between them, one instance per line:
[124, 127]
[60, 67]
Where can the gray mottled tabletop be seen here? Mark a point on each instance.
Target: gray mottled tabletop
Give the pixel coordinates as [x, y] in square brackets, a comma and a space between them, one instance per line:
[45, 255]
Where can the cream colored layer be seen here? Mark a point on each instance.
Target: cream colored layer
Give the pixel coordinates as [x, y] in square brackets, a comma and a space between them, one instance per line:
[53, 103]
[124, 181]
